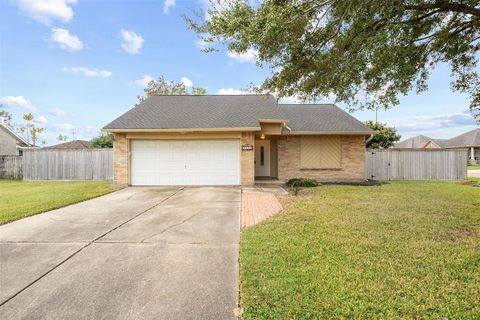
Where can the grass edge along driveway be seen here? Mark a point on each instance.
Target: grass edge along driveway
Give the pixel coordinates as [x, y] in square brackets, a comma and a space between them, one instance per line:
[407, 249]
[20, 199]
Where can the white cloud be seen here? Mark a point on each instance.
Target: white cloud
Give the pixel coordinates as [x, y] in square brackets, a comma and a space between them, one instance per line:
[231, 91]
[65, 39]
[167, 5]
[186, 82]
[58, 112]
[46, 11]
[41, 120]
[91, 73]
[425, 124]
[289, 100]
[132, 42]
[64, 126]
[144, 81]
[17, 101]
[248, 56]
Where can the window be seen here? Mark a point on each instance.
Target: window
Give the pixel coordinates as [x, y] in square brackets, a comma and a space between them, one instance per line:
[262, 156]
[320, 152]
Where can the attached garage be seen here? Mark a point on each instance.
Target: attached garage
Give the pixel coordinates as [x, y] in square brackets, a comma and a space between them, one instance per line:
[185, 162]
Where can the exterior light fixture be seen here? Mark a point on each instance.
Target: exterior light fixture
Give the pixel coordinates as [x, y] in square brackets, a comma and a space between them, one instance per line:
[262, 136]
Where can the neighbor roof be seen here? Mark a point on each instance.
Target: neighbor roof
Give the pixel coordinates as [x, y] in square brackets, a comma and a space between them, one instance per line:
[232, 111]
[467, 139]
[75, 144]
[417, 142]
[21, 142]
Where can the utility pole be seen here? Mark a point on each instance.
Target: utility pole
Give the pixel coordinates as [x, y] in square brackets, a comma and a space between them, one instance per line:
[73, 135]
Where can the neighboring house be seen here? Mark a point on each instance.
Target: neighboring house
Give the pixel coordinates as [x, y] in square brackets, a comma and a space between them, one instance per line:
[469, 140]
[11, 144]
[232, 140]
[71, 145]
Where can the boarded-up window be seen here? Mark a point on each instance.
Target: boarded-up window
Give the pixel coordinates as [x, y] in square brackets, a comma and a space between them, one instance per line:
[320, 152]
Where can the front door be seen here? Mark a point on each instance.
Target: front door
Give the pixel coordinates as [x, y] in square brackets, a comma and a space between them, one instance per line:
[262, 158]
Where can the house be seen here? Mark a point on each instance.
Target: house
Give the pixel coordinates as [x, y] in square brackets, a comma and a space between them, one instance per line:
[420, 142]
[11, 144]
[233, 140]
[71, 145]
[469, 140]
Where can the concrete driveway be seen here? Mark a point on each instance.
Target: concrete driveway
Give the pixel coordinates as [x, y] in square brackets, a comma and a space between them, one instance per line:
[139, 253]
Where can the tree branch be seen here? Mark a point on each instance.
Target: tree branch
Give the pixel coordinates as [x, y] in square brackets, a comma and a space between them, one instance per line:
[445, 6]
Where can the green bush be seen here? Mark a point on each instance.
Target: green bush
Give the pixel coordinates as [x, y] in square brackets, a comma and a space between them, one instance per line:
[302, 182]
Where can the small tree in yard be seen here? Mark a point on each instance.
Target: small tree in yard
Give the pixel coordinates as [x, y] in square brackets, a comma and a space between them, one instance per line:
[384, 137]
[104, 140]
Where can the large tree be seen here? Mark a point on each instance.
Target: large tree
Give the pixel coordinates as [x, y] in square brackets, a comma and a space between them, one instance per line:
[365, 53]
[164, 87]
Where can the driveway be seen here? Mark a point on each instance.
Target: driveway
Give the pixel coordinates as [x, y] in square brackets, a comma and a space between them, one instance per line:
[139, 253]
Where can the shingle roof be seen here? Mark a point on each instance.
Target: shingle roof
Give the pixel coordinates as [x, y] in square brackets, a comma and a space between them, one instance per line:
[235, 111]
[75, 144]
[467, 139]
[416, 142]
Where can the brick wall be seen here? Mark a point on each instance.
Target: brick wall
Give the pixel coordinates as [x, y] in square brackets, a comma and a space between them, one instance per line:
[120, 159]
[353, 161]
[247, 160]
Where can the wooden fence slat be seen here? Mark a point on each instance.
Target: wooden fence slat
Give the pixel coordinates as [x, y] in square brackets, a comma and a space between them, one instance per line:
[88, 164]
[421, 164]
[10, 167]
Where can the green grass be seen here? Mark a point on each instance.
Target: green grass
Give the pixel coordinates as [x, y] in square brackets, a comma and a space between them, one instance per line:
[404, 250]
[20, 199]
[474, 167]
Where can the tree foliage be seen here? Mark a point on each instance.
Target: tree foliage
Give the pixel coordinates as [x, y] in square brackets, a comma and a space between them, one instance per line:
[62, 137]
[5, 116]
[104, 140]
[384, 137]
[164, 87]
[30, 130]
[365, 53]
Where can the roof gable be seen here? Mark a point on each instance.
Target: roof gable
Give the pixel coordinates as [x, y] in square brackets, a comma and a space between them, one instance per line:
[11, 132]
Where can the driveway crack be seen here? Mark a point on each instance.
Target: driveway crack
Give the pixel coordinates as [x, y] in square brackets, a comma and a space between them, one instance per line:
[170, 227]
[87, 245]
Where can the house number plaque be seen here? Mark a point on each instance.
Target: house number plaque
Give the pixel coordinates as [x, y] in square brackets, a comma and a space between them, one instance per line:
[247, 147]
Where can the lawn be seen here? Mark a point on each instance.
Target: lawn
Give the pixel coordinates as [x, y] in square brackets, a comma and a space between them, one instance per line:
[404, 250]
[474, 167]
[20, 199]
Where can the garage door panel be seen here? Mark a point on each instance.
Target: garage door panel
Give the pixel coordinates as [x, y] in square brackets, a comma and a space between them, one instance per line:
[185, 162]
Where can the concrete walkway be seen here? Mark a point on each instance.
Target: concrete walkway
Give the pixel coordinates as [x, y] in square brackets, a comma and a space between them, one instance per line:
[473, 173]
[139, 253]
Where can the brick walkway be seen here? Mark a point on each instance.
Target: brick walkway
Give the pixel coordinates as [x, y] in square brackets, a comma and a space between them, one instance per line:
[258, 206]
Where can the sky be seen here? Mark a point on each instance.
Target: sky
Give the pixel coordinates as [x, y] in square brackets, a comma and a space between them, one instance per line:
[79, 64]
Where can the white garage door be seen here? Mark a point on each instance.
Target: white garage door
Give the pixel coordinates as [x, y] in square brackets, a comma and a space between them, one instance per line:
[185, 162]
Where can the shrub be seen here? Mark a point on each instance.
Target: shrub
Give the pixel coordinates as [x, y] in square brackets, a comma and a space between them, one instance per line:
[302, 182]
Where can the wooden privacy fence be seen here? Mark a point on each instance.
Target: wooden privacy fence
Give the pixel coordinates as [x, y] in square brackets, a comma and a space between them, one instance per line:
[10, 167]
[87, 164]
[398, 164]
